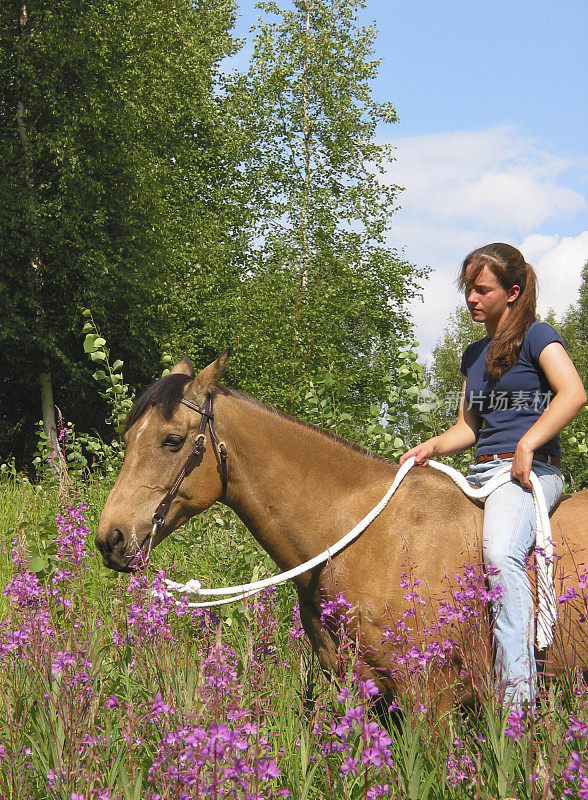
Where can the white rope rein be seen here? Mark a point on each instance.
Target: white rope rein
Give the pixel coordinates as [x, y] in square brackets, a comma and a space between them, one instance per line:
[547, 615]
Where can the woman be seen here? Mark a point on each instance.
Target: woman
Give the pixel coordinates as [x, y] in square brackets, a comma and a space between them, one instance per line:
[520, 389]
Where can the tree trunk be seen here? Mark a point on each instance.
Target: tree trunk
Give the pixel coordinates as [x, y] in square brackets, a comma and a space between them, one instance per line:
[48, 406]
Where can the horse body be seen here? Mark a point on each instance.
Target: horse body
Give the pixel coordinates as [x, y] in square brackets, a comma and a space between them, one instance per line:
[299, 490]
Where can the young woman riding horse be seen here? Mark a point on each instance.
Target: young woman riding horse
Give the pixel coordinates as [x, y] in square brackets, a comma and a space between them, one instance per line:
[520, 389]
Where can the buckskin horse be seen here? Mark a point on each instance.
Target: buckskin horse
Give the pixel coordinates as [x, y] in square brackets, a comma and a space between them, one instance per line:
[299, 489]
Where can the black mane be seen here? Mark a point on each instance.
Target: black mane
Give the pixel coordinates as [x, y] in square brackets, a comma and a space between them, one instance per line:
[166, 393]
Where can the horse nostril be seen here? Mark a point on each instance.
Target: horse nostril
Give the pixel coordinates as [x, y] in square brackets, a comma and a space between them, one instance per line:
[114, 539]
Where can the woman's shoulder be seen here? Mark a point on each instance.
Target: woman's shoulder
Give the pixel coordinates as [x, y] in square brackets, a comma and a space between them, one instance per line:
[472, 353]
[538, 336]
[477, 346]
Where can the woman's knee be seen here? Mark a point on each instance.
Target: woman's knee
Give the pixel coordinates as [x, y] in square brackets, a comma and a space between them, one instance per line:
[496, 555]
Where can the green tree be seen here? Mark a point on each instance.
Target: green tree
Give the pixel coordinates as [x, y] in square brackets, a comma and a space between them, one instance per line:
[444, 373]
[322, 289]
[114, 163]
[573, 328]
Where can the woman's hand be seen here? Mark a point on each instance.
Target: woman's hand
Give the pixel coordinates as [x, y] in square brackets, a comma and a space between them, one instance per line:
[422, 453]
[522, 463]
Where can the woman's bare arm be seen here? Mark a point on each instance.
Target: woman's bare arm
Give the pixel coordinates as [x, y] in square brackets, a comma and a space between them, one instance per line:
[460, 437]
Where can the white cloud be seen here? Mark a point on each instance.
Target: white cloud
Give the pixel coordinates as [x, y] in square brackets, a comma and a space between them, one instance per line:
[497, 178]
[468, 188]
[558, 263]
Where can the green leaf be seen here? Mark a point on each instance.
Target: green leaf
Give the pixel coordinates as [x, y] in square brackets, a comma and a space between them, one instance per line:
[39, 564]
[90, 343]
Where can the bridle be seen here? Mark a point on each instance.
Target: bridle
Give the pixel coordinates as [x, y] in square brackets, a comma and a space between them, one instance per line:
[158, 519]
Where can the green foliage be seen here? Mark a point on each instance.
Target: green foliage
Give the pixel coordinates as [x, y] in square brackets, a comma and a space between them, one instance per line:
[109, 376]
[573, 328]
[404, 418]
[80, 452]
[322, 284]
[114, 162]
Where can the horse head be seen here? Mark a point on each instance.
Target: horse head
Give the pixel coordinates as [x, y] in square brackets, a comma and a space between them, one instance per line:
[164, 434]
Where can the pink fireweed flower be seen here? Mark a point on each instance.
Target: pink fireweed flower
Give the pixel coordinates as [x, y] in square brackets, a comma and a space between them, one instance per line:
[269, 769]
[25, 590]
[458, 771]
[61, 661]
[574, 765]
[414, 596]
[296, 629]
[72, 532]
[371, 756]
[350, 765]
[378, 790]
[355, 713]
[570, 594]
[368, 689]
[343, 694]
[335, 609]
[159, 707]
[577, 729]
[515, 727]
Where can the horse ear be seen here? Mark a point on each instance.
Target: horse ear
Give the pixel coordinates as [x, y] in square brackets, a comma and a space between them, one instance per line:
[183, 367]
[207, 379]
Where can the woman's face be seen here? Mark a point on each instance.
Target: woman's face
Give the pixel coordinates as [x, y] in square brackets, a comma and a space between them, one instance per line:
[487, 300]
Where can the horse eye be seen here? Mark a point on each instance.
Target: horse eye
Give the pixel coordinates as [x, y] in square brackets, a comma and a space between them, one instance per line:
[173, 441]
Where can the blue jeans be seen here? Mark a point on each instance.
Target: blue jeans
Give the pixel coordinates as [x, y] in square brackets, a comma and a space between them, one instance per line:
[508, 537]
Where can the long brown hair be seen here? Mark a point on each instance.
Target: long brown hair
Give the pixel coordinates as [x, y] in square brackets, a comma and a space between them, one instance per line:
[510, 269]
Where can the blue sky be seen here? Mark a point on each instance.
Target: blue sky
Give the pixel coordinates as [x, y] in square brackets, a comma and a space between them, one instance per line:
[492, 143]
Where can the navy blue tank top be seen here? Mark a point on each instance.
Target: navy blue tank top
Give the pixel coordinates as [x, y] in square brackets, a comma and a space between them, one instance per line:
[507, 408]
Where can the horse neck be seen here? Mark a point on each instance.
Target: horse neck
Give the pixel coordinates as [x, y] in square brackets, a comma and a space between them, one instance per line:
[297, 489]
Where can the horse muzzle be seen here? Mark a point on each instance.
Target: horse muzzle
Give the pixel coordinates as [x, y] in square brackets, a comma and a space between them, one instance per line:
[119, 552]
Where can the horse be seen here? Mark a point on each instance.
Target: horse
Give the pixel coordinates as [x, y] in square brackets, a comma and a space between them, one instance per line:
[299, 489]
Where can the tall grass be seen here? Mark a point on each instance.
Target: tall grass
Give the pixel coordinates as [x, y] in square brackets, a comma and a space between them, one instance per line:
[109, 689]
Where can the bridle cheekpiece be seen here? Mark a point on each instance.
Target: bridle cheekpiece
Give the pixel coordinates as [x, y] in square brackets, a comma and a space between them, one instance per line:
[158, 519]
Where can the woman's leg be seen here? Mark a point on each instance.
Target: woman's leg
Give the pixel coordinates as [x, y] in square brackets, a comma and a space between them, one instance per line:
[508, 536]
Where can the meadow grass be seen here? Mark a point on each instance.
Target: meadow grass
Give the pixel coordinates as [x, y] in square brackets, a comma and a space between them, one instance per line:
[109, 690]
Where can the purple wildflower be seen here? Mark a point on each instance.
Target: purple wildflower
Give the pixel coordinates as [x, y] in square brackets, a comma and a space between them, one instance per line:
[577, 729]
[570, 594]
[159, 707]
[61, 661]
[368, 689]
[349, 765]
[515, 727]
[458, 771]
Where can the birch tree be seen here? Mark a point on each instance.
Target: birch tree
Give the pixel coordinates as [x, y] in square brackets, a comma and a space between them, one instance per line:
[325, 287]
